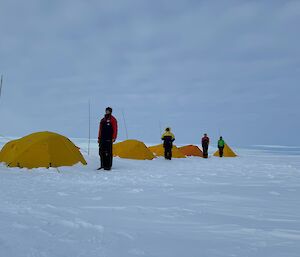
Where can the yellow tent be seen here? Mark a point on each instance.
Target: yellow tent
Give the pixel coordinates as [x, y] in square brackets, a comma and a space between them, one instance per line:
[158, 150]
[41, 149]
[227, 152]
[191, 150]
[132, 149]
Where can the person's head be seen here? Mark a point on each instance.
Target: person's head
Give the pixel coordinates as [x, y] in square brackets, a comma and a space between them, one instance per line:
[108, 110]
[205, 134]
[221, 138]
[168, 129]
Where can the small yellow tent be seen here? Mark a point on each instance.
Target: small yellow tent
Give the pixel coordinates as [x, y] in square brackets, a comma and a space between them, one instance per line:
[158, 150]
[132, 149]
[41, 149]
[227, 152]
[191, 150]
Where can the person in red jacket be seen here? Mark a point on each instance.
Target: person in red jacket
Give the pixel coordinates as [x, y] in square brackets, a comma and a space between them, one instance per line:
[205, 144]
[108, 132]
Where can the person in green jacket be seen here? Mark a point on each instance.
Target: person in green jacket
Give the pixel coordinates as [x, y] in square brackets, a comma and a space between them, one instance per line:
[221, 145]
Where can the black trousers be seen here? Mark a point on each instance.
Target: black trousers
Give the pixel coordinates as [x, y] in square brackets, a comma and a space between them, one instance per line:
[168, 153]
[205, 150]
[106, 154]
[221, 150]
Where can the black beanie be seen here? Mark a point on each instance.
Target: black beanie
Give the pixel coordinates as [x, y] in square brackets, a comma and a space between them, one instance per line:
[108, 109]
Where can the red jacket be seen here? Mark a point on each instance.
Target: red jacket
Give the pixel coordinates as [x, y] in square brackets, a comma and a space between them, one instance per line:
[205, 140]
[114, 124]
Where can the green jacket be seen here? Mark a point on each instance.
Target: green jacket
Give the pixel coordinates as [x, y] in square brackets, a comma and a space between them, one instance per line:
[221, 143]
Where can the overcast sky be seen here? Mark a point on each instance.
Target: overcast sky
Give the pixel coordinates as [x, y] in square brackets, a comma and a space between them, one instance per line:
[229, 67]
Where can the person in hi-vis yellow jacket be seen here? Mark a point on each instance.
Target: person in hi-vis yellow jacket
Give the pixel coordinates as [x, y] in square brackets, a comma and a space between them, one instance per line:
[168, 138]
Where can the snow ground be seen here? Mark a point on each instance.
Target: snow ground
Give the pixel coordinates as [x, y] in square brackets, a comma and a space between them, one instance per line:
[246, 206]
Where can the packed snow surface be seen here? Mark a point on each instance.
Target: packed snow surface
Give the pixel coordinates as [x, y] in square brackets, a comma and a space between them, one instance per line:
[245, 206]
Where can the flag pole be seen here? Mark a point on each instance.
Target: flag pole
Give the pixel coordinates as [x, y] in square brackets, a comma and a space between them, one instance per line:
[89, 143]
[160, 131]
[123, 114]
[1, 83]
